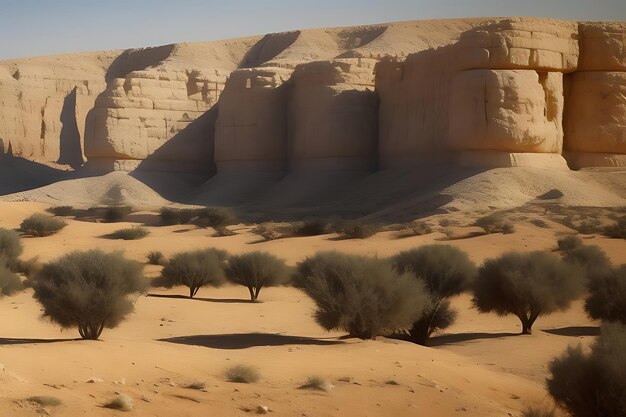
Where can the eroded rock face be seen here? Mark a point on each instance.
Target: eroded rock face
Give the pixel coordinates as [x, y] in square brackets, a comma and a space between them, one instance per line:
[251, 129]
[333, 115]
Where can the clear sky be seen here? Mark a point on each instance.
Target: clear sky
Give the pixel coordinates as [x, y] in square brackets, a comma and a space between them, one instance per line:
[43, 27]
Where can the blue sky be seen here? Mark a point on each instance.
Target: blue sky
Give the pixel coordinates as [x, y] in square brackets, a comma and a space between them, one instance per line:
[42, 27]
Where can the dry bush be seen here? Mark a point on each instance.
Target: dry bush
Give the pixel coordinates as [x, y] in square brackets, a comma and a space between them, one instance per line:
[607, 295]
[10, 247]
[116, 213]
[316, 383]
[10, 283]
[61, 210]
[130, 233]
[256, 270]
[617, 229]
[364, 296]
[568, 243]
[216, 217]
[267, 232]
[194, 269]
[495, 223]
[538, 412]
[527, 285]
[314, 227]
[39, 225]
[242, 374]
[121, 403]
[156, 257]
[540, 223]
[420, 228]
[444, 271]
[592, 384]
[171, 216]
[88, 290]
[354, 229]
[591, 259]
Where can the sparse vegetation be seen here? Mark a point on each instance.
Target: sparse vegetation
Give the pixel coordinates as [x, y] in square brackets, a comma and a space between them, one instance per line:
[121, 403]
[242, 374]
[539, 223]
[354, 229]
[617, 229]
[607, 295]
[45, 400]
[444, 271]
[130, 233]
[216, 217]
[171, 216]
[61, 210]
[495, 223]
[194, 269]
[313, 227]
[526, 285]
[538, 412]
[316, 383]
[116, 213]
[420, 228]
[363, 296]
[156, 257]
[88, 290]
[40, 225]
[256, 270]
[10, 283]
[10, 247]
[592, 384]
[267, 232]
[568, 243]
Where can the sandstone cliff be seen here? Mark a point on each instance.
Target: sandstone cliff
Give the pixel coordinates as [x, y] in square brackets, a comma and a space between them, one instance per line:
[487, 92]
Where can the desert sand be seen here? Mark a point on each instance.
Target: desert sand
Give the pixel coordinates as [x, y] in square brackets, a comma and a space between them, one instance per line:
[479, 367]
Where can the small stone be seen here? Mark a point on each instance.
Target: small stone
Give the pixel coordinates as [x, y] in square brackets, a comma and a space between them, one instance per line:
[95, 380]
[262, 409]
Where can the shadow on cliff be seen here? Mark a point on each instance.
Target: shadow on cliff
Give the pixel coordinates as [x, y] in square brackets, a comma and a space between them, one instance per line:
[70, 148]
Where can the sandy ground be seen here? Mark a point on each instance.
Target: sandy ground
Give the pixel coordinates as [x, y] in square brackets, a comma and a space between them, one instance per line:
[478, 367]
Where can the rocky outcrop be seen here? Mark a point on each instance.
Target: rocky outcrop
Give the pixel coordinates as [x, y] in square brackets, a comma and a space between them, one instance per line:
[486, 92]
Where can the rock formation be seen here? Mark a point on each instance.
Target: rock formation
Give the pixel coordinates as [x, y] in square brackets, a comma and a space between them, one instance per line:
[487, 92]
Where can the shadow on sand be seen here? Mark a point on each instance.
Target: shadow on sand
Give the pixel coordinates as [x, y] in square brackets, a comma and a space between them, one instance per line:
[450, 339]
[248, 340]
[575, 331]
[18, 341]
[209, 300]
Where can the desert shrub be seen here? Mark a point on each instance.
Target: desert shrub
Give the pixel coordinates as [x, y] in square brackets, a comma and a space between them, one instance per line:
[216, 217]
[194, 270]
[316, 383]
[526, 285]
[420, 228]
[538, 412]
[617, 229]
[266, 232]
[444, 271]
[539, 223]
[364, 296]
[10, 247]
[40, 225]
[256, 270]
[88, 290]
[10, 283]
[242, 374]
[61, 210]
[568, 243]
[171, 216]
[592, 384]
[495, 223]
[155, 257]
[313, 227]
[354, 229]
[116, 213]
[607, 295]
[121, 403]
[130, 233]
[591, 259]
[45, 400]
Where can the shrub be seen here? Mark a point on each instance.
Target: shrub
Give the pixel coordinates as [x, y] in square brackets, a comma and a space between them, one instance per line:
[592, 384]
[495, 223]
[172, 216]
[266, 232]
[131, 233]
[156, 258]
[538, 412]
[607, 295]
[88, 290]
[121, 403]
[256, 270]
[316, 383]
[61, 210]
[363, 296]
[591, 259]
[616, 230]
[216, 217]
[116, 213]
[526, 285]
[10, 247]
[540, 223]
[420, 228]
[242, 374]
[314, 227]
[444, 271]
[194, 270]
[355, 229]
[40, 225]
[567, 243]
[10, 283]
